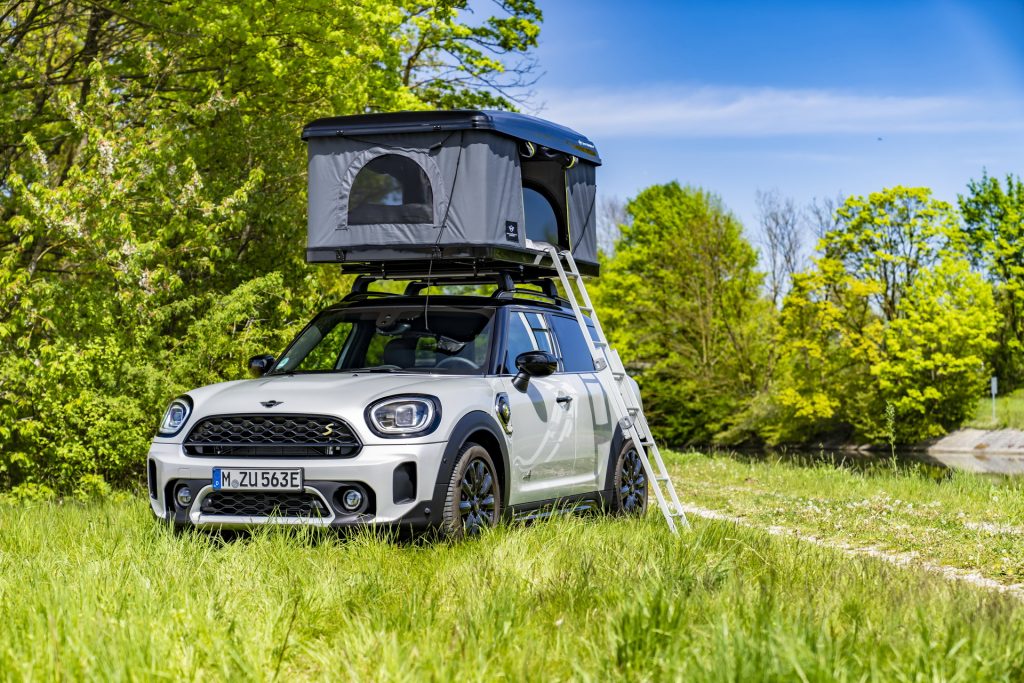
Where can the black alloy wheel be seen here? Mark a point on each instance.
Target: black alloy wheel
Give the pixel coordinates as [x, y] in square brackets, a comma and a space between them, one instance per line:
[630, 482]
[473, 502]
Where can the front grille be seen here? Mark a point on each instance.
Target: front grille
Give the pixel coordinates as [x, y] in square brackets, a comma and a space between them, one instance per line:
[272, 435]
[263, 504]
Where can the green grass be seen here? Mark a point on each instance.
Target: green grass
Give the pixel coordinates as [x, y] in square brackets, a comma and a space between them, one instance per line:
[952, 518]
[101, 592]
[1009, 412]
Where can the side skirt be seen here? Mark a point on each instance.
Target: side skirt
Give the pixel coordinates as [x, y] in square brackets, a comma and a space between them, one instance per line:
[570, 505]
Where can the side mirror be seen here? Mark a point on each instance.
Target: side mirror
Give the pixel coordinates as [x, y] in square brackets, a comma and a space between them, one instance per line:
[533, 364]
[260, 365]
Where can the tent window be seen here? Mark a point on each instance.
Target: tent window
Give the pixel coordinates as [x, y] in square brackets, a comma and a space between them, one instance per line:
[391, 189]
[541, 219]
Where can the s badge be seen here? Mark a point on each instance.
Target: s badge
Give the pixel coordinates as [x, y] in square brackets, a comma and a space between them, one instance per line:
[512, 231]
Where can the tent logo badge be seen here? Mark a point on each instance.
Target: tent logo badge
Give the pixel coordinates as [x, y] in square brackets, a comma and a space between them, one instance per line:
[511, 231]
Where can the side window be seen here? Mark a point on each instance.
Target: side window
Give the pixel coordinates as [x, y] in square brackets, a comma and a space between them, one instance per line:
[391, 189]
[526, 332]
[573, 345]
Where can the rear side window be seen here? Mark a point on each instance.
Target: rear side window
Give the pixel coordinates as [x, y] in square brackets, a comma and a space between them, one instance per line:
[573, 346]
[391, 189]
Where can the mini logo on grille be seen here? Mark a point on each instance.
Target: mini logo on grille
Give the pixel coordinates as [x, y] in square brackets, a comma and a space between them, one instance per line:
[330, 430]
[270, 404]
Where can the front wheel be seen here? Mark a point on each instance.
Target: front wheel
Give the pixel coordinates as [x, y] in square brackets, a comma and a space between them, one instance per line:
[630, 483]
[473, 502]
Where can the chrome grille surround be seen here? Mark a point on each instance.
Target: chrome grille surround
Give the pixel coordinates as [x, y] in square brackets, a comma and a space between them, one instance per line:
[279, 435]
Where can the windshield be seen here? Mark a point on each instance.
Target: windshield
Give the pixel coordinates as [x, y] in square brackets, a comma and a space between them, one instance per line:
[447, 340]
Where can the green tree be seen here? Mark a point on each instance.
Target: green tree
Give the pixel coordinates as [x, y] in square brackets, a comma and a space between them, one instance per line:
[681, 302]
[152, 192]
[889, 315]
[993, 227]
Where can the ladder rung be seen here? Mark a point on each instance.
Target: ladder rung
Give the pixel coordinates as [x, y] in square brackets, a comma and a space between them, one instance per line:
[618, 375]
[587, 309]
[661, 478]
[600, 344]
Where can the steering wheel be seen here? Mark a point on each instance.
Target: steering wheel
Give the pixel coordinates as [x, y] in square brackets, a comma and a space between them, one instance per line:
[457, 362]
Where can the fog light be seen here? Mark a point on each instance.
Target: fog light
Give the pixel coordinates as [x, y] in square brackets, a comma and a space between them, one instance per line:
[183, 495]
[352, 499]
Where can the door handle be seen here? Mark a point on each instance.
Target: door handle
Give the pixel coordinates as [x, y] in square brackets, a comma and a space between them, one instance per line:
[564, 399]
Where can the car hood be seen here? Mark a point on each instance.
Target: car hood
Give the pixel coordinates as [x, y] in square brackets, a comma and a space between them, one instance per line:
[344, 395]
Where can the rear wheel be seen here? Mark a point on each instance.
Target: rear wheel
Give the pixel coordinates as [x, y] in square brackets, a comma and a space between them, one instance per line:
[473, 502]
[630, 483]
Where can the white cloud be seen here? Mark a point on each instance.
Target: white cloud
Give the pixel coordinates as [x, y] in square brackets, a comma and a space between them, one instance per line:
[761, 112]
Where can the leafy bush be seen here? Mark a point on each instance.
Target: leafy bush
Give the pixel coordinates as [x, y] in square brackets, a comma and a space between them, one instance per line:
[890, 314]
[152, 196]
[993, 230]
[78, 416]
[681, 302]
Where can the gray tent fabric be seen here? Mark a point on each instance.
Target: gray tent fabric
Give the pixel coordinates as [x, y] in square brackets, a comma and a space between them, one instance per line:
[334, 164]
[488, 193]
[474, 198]
[582, 211]
[474, 178]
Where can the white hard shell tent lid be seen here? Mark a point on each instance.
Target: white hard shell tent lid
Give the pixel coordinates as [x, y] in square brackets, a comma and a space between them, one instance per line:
[466, 187]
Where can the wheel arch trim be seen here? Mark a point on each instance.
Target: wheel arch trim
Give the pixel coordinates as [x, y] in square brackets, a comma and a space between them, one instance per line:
[469, 424]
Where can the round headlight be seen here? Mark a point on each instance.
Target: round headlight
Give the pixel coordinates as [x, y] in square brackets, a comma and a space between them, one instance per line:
[404, 416]
[175, 417]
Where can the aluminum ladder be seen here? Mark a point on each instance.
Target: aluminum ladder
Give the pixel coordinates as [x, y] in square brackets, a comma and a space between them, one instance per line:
[619, 388]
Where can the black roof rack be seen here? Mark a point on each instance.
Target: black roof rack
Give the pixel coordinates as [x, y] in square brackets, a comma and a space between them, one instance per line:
[505, 280]
[452, 261]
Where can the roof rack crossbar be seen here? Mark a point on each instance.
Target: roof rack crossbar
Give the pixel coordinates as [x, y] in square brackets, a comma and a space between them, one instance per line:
[416, 285]
[509, 285]
[547, 291]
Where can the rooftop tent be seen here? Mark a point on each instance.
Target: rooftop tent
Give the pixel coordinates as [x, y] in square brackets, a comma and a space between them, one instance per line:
[465, 187]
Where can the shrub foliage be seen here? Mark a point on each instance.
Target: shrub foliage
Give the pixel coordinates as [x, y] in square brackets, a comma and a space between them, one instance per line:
[886, 336]
[152, 194]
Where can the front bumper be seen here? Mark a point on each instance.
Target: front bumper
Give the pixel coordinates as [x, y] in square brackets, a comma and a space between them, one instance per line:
[400, 480]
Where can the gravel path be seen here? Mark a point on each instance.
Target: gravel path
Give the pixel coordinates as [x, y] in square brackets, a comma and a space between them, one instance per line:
[909, 560]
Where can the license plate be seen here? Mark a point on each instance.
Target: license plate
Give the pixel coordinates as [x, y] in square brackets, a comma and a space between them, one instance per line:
[225, 479]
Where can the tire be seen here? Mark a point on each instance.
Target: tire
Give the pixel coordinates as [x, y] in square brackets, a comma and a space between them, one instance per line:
[473, 501]
[630, 487]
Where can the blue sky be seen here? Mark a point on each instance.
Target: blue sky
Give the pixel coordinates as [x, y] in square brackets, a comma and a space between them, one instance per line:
[741, 96]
